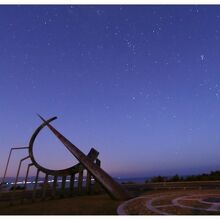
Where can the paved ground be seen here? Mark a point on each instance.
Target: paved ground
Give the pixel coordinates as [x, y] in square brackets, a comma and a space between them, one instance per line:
[178, 202]
[169, 201]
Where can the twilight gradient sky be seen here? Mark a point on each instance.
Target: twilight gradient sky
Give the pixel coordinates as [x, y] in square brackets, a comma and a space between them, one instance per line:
[140, 83]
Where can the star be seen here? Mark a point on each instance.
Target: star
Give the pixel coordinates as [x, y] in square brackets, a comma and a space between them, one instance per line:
[202, 57]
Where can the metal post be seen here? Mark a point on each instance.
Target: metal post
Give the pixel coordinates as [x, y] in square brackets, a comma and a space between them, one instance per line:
[26, 177]
[72, 179]
[80, 180]
[88, 182]
[54, 186]
[19, 167]
[35, 185]
[45, 186]
[63, 185]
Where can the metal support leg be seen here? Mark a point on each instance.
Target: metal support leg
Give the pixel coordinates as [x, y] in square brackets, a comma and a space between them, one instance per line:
[45, 186]
[35, 185]
[72, 179]
[19, 167]
[88, 182]
[80, 180]
[54, 186]
[26, 177]
[63, 185]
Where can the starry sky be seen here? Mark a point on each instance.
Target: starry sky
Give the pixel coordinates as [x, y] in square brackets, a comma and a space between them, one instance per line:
[141, 84]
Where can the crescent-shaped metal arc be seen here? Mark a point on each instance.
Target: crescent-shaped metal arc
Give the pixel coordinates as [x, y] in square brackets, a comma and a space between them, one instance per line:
[93, 154]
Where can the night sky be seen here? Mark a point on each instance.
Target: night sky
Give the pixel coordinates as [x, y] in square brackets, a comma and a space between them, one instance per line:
[141, 84]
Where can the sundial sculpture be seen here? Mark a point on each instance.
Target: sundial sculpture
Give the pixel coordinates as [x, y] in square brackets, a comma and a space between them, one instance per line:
[88, 162]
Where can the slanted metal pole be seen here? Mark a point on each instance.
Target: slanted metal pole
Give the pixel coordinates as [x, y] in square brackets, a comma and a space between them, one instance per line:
[113, 188]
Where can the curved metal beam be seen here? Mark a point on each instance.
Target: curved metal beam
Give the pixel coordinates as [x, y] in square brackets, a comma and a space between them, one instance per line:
[93, 154]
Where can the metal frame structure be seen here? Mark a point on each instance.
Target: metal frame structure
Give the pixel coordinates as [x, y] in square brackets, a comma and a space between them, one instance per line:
[89, 162]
